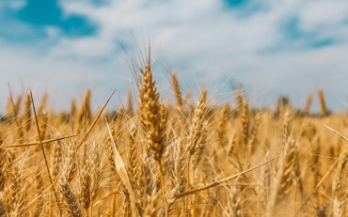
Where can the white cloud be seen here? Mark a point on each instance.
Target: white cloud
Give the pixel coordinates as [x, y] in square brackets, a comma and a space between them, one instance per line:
[13, 4]
[52, 32]
[204, 22]
[85, 47]
[316, 15]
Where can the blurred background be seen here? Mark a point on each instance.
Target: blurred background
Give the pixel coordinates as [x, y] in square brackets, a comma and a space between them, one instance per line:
[270, 48]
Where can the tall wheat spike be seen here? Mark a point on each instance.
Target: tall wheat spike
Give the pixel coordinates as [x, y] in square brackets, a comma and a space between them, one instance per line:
[307, 108]
[195, 133]
[322, 100]
[153, 120]
[152, 115]
[42, 104]
[27, 113]
[85, 111]
[133, 157]
[285, 176]
[177, 92]
[244, 119]
[337, 194]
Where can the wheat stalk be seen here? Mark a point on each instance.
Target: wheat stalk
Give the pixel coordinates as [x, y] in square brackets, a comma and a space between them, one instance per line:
[322, 100]
[153, 120]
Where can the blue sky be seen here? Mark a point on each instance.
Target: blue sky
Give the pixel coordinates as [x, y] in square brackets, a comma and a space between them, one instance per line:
[272, 47]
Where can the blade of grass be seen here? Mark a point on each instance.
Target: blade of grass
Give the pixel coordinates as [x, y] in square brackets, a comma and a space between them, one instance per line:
[333, 130]
[214, 184]
[43, 152]
[36, 142]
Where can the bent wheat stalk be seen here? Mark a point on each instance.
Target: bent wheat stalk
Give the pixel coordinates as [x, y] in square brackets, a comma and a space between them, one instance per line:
[174, 198]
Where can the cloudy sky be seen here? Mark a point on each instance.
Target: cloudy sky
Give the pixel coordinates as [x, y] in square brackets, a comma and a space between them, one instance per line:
[272, 47]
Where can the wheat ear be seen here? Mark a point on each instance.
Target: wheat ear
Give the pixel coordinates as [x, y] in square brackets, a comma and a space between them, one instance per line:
[70, 199]
[177, 92]
[244, 120]
[151, 115]
[285, 176]
[195, 133]
[153, 119]
[85, 110]
[27, 113]
[133, 159]
[322, 100]
[42, 104]
[307, 108]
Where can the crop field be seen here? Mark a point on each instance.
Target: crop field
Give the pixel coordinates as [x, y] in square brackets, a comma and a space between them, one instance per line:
[182, 158]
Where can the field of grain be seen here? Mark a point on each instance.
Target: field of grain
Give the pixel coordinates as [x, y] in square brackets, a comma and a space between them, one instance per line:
[172, 159]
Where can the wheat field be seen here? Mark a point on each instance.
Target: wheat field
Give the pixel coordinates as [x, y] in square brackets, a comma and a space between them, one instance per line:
[171, 159]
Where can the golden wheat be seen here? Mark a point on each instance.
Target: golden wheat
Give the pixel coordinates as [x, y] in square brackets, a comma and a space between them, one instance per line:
[171, 159]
